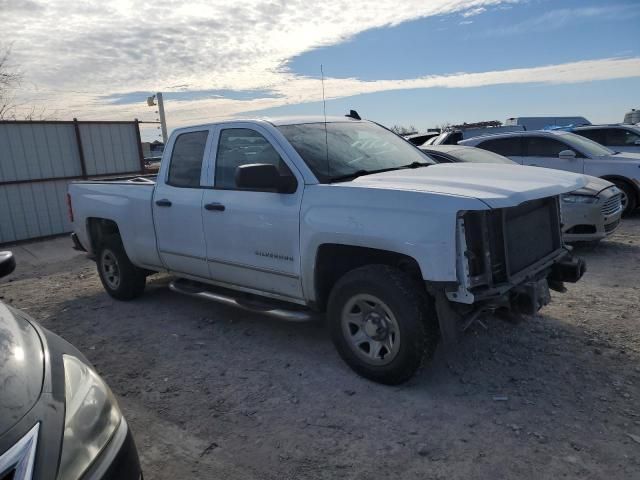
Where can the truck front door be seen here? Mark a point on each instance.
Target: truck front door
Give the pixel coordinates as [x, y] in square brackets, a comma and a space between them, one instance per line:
[252, 236]
[177, 205]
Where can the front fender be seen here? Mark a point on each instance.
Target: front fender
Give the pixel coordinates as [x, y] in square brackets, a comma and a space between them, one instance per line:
[419, 225]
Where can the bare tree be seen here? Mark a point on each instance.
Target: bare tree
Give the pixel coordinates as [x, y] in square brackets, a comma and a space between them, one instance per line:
[9, 81]
[401, 130]
[443, 126]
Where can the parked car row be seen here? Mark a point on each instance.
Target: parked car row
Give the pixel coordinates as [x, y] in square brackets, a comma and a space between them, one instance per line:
[579, 147]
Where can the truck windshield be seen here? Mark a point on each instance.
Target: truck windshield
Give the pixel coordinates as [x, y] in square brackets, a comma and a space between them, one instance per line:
[346, 148]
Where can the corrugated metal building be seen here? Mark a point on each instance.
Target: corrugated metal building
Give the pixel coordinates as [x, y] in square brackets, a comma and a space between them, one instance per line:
[39, 159]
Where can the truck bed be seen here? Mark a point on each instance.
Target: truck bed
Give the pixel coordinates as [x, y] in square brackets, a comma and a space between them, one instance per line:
[126, 201]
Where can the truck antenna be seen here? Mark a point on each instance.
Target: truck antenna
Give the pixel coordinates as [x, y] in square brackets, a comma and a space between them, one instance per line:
[324, 111]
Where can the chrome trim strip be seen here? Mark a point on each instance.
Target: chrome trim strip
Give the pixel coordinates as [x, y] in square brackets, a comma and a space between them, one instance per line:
[21, 456]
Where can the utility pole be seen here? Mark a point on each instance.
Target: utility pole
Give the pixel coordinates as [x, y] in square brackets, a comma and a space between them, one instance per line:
[163, 121]
[151, 101]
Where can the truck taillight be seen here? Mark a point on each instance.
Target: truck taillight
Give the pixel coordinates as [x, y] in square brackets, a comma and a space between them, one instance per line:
[70, 208]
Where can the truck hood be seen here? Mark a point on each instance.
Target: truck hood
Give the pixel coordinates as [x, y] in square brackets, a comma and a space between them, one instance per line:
[498, 186]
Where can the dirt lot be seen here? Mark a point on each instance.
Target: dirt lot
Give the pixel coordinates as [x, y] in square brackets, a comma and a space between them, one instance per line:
[212, 392]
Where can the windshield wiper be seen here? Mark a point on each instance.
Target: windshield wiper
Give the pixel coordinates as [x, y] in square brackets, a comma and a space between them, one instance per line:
[361, 173]
[417, 165]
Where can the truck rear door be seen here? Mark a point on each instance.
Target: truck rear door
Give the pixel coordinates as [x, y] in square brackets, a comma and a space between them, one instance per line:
[252, 236]
[177, 204]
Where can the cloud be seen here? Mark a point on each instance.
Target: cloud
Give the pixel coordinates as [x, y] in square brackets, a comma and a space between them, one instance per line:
[473, 12]
[206, 44]
[7, 6]
[561, 17]
[216, 58]
[295, 90]
[129, 98]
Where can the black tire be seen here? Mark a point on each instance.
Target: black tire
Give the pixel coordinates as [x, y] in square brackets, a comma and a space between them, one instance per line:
[131, 280]
[630, 193]
[412, 312]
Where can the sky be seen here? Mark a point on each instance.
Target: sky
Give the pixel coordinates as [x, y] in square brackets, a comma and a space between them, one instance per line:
[420, 63]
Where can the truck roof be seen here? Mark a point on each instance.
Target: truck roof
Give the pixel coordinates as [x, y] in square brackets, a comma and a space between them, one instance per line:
[278, 121]
[298, 120]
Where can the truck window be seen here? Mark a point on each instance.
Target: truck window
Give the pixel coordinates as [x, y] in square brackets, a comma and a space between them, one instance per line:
[507, 147]
[242, 146]
[186, 159]
[544, 147]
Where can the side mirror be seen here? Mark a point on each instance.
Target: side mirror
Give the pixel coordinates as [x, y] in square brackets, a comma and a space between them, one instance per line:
[264, 176]
[7, 263]
[567, 154]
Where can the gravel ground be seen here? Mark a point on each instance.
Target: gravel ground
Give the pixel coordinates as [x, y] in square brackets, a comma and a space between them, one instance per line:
[212, 392]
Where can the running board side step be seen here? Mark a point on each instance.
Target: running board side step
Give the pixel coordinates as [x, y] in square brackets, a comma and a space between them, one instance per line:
[264, 308]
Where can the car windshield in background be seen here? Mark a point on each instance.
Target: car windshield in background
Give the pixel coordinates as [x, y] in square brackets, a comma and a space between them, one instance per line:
[587, 146]
[347, 148]
[477, 155]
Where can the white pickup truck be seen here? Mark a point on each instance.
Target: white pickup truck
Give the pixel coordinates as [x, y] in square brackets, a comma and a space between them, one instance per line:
[296, 217]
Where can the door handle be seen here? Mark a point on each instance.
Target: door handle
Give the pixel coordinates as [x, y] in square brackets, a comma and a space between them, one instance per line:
[214, 207]
[163, 203]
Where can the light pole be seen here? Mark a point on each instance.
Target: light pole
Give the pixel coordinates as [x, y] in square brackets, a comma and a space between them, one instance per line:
[163, 122]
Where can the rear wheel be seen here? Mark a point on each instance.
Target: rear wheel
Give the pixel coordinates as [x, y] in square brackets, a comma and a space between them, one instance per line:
[629, 198]
[120, 278]
[382, 325]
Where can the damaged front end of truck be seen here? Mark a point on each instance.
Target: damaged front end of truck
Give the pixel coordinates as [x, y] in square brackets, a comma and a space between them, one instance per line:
[508, 259]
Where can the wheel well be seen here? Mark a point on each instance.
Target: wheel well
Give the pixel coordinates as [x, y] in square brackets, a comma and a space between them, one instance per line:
[334, 260]
[615, 178]
[99, 229]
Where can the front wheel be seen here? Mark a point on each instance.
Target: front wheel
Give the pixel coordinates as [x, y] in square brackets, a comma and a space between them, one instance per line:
[120, 278]
[629, 201]
[382, 325]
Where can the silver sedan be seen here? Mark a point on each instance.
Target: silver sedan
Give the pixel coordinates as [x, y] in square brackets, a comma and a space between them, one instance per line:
[589, 214]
